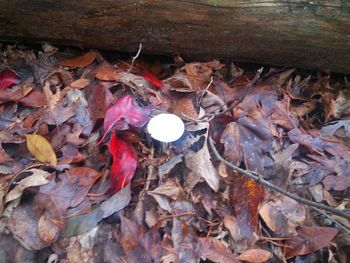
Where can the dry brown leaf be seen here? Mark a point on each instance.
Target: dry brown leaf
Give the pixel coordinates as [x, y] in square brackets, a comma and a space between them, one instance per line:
[309, 240]
[80, 61]
[255, 255]
[214, 250]
[198, 159]
[38, 177]
[185, 109]
[80, 83]
[283, 214]
[106, 72]
[47, 230]
[41, 149]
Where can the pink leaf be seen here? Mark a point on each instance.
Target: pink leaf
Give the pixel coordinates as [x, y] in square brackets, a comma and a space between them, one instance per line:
[124, 112]
[8, 78]
[124, 164]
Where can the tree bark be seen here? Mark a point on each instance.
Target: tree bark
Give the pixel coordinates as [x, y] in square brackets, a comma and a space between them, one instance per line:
[308, 34]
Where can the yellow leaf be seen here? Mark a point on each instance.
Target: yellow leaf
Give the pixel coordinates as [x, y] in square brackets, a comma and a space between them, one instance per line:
[41, 149]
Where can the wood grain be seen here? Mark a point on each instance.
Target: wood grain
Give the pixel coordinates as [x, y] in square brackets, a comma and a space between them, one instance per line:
[309, 34]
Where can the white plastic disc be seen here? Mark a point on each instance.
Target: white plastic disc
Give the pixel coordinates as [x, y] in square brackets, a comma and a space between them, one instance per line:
[166, 127]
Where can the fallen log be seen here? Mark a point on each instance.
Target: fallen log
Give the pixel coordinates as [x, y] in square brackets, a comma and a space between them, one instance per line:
[308, 34]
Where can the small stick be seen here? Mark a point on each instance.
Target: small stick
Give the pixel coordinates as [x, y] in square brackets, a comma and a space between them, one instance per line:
[339, 224]
[209, 117]
[150, 170]
[135, 57]
[259, 179]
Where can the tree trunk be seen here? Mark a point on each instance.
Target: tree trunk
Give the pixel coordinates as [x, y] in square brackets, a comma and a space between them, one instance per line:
[309, 34]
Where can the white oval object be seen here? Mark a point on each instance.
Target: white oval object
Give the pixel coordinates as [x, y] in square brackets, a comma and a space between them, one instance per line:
[166, 127]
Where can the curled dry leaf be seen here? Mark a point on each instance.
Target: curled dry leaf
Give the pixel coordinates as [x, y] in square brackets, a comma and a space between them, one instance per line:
[35, 99]
[23, 224]
[41, 149]
[255, 255]
[282, 215]
[80, 61]
[185, 109]
[38, 177]
[80, 83]
[106, 72]
[47, 230]
[198, 159]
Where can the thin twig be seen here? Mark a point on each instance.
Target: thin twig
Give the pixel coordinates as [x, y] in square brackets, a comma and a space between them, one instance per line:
[150, 170]
[209, 117]
[259, 179]
[246, 91]
[336, 222]
[135, 57]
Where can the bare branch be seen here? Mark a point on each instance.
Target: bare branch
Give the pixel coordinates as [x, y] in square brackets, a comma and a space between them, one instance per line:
[258, 178]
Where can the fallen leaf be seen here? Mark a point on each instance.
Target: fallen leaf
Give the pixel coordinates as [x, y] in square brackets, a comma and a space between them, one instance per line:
[106, 72]
[23, 224]
[309, 240]
[185, 241]
[4, 157]
[246, 196]
[41, 149]
[35, 99]
[199, 73]
[170, 188]
[47, 230]
[124, 164]
[214, 250]
[337, 183]
[80, 61]
[282, 115]
[99, 100]
[313, 142]
[255, 255]
[198, 159]
[138, 244]
[15, 93]
[154, 80]
[124, 112]
[283, 214]
[8, 78]
[38, 177]
[185, 109]
[79, 224]
[84, 177]
[80, 83]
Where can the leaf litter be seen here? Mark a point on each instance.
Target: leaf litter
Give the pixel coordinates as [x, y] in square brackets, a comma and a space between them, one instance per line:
[82, 181]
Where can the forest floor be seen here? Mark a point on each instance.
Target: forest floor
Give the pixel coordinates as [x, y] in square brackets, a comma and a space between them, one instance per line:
[260, 174]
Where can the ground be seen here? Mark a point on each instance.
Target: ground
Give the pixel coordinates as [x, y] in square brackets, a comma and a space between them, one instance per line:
[259, 175]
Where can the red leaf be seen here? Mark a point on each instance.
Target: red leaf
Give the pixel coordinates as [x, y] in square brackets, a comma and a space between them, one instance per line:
[124, 112]
[246, 196]
[154, 80]
[8, 78]
[124, 164]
